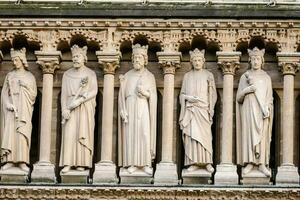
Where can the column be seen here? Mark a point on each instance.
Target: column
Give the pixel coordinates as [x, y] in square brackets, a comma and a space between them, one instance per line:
[226, 172]
[44, 170]
[287, 172]
[1, 56]
[166, 170]
[105, 170]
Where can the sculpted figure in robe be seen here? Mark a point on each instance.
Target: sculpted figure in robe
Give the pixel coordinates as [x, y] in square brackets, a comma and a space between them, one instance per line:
[17, 99]
[254, 115]
[137, 112]
[78, 102]
[198, 97]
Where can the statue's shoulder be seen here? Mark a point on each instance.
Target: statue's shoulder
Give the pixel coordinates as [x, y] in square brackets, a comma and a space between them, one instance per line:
[90, 71]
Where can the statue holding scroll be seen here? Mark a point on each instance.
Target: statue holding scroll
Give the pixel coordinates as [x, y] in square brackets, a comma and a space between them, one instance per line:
[254, 116]
[78, 101]
[17, 99]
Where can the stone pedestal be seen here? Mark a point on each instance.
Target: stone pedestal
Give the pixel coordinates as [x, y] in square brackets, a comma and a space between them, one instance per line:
[137, 177]
[13, 175]
[199, 176]
[287, 175]
[166, 174]
[43, 172]
[75, 177]
[226, 175]
[105, 173]
[255, 177]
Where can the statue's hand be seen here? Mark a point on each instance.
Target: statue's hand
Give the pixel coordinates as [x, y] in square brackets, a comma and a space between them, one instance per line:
[266, 112]
[191, 99]
[23, 84]
[75, 103]
[142, 92]
[10, 107]
[124, 116]
[66, 114]
[250, 89]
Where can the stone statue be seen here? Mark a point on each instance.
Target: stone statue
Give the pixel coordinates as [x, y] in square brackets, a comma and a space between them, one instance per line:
[17, 99]
[254, 116]
[198, 97]
[78, 101]
[137, 110]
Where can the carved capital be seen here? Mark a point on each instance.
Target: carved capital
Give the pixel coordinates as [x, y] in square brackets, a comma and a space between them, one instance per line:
[48, 62]
[229, 62]
[109, 61]
[289, 63]
[169, 61]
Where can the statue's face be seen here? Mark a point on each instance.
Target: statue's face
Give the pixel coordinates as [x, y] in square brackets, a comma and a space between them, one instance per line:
[138, 61]
[198, 62]
[78, 60]
[17, 63]
[256, 62]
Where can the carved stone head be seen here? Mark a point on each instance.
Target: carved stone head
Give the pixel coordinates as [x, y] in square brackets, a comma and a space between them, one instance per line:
[19, 58]
[197, 59]
[79, 56]
[256, 58]
[139, 56]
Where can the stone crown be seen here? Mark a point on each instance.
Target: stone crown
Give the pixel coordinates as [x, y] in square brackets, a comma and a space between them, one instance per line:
[256, 52]
[18, 53]
[197, 53]
[139, 49]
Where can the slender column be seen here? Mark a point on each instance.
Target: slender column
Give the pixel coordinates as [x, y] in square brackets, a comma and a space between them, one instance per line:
[43, 170]
[226, 170]
[105, 170]
[289, 64]
[166, 170]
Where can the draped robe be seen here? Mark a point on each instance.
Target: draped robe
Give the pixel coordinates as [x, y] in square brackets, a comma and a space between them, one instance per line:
[78, 131]
[137, 137]
[254, 130]
[196, 118]
[16, 131]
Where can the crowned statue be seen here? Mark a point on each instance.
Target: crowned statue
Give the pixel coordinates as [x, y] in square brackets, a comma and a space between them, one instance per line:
[254, 116]
[17, 100]
[78, 102]
[198, 97]
[137, 115]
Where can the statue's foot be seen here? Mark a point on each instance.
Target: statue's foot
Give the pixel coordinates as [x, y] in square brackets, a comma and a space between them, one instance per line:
[265, 170]
[80, 168]
[148, 170]
[66, 169]
[7, 166]
[24, 167]
[248, 168]
[210, 168]
[132, 169]
[192, 168]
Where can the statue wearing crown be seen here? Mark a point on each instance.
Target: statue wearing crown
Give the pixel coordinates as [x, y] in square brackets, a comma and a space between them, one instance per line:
[137, 116]
[198, 97]
[254, 116]
[78, 102]
[17, 100]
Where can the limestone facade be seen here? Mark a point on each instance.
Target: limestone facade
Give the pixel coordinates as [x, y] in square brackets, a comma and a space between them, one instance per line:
[109, 41]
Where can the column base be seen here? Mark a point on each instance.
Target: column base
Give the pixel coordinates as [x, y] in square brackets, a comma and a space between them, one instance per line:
[226, 174]
[13, 175]
[43, 172]
[166, 174]
[105, 173]
[75, 176]
[287, 175]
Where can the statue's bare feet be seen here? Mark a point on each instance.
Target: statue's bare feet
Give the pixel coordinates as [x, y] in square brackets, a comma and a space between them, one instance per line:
[66, 169]
[192, 168]
[131, 169]
[248, 168]
[80, 168]
[264, 170]
[210, 168]
[24, 167]
[7, 166]
[148, 170]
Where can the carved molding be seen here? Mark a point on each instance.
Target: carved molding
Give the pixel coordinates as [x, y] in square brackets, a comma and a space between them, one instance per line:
[145, 193]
